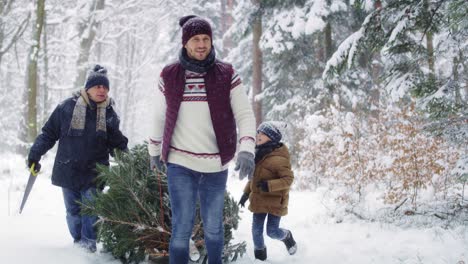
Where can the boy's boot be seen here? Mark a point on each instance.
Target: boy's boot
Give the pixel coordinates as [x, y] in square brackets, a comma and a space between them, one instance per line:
[291, 245]
[261, 254]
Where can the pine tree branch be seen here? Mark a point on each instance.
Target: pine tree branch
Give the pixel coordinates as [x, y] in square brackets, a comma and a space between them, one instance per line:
[138, 226]
[137, 200]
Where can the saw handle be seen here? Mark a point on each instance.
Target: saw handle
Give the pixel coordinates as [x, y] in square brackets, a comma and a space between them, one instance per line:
[34, 166]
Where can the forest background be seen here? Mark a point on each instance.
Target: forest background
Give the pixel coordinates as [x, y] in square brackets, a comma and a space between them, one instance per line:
[374, 92]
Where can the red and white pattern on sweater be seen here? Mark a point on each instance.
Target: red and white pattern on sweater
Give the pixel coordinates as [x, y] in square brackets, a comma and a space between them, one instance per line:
[197, 155]
[192, 143]
[195, 89]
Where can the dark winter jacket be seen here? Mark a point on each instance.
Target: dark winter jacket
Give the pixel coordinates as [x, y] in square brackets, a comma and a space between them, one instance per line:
[275, 168]
[218, 89]
[77, 156]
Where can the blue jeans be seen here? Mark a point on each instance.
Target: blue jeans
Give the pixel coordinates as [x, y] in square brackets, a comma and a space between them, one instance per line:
[273, 229]
[185, 186]
[81, 227]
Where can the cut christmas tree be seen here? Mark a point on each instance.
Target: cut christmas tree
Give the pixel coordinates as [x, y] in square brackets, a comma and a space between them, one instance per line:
[135, 216]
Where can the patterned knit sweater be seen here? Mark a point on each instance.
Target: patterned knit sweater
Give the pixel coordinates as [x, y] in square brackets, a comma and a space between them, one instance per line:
[193, 143]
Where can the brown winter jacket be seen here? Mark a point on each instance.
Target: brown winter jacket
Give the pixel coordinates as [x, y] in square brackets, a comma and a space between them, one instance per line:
[275, 168]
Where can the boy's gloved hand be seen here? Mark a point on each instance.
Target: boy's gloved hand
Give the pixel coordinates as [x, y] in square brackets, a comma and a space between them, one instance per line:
[37, 165]
[155, 163]
[263, 185]
[243, 199]
[246, 164]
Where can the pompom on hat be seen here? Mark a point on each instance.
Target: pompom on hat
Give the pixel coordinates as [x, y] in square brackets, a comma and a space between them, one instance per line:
[97, 76]
[193, 25]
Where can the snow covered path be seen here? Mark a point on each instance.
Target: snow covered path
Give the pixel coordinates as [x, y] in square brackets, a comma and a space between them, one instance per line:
[40, 235]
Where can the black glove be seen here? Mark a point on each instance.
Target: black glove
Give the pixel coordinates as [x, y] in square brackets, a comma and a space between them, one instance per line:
[245, 163]
[243, 199]
[263, 185]
[37, 165]
[156, 163]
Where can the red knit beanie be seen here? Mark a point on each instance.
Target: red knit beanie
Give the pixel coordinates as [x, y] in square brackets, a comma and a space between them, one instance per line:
[194, 25]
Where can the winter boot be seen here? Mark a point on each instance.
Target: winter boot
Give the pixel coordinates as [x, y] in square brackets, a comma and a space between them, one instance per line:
[291, 245]
[260, 254]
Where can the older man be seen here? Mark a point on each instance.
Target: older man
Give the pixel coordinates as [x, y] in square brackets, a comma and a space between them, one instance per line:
[87, 129]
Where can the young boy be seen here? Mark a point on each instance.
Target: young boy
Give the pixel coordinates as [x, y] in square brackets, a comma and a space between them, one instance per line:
[268, 190]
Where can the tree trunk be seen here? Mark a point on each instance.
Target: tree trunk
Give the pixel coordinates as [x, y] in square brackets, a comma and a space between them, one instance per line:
[31, 72]
[376, 71]
[458, 99]
[464, 75]
[226, 22]
[129, 81]
[257, 63]
[87, 32]
[223, 23]
[328, 41]
[430, 52]
[45, 90]
[328, 45]
[429, 42]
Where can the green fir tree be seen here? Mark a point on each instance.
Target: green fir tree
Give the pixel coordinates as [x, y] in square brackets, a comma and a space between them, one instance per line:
[135, 216]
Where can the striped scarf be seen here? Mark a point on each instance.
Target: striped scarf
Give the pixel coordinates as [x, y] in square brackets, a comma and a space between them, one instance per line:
[79, 115]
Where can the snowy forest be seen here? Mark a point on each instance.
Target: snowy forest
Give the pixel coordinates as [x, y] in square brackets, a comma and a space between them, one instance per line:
[374, 92]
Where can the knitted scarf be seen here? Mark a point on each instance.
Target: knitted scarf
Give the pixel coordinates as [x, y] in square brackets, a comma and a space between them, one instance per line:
[266, 148]
[196, 65]
[79, 115]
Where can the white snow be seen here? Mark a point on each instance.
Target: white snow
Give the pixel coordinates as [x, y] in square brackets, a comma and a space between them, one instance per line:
[315, 21]
[346, 49]
[40, 235]
[402, 24]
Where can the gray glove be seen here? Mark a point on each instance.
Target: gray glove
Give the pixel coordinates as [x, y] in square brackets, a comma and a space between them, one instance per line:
[245, 163]
[156, 163]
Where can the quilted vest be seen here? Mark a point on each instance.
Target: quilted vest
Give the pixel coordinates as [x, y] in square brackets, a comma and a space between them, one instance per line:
[218, 89]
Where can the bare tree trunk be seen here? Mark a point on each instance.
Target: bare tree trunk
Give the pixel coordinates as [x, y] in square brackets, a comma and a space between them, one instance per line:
[129, 80]
[458, 99]
[32, 83]
[430, 43]
[223, 23]
[87, 32]
[463, 193]
[461, 59]
[45, 90]
[430, 52]
[328, 41]
[376, 70]
[328, 46]
[226, 22]
[257, 63]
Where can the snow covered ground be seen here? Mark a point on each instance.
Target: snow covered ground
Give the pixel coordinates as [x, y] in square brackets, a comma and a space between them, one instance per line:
[40, 235]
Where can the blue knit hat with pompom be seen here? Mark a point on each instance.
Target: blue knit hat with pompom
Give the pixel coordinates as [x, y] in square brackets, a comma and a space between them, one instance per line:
[97, 76]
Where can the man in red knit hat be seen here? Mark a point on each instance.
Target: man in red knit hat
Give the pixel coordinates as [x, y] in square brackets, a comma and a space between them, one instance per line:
[204, 115]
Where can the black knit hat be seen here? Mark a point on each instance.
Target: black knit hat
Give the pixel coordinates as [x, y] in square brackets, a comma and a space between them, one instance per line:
[97, 76]
[270, 129]
[194, 25]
